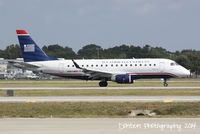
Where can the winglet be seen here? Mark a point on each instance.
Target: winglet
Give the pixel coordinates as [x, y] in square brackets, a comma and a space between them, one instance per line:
[76, 65]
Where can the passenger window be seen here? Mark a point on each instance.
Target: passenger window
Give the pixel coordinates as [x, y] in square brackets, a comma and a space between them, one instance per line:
[116, 65]
[126, 65]
[87, 65]
[72, 65]
[106, 65]
[131, 65]
[149, 64]
[111, 65]
[91, 65]
[154, 64]
[135, 64]
[101, 65]
[82, 65]
[96, 65]
[140, 64]
[67, 65]
[121, 65]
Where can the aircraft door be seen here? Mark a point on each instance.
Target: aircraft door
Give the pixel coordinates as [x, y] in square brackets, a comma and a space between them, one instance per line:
[162, 66]
[61, 67]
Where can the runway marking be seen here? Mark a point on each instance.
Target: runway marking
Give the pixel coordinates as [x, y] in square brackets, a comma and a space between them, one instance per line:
[31, 100]
[86, 88]
[103, 99]
[168, 100]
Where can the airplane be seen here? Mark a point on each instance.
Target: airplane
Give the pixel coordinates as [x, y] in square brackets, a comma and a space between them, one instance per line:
[123, 71]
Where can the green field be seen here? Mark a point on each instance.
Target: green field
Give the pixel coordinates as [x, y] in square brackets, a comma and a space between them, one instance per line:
[104, 92]
[79, 83]
[96, 109]
[99, 109]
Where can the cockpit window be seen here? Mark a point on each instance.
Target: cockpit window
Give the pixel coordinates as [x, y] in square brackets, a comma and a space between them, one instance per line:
[174, 64]
[177, 64]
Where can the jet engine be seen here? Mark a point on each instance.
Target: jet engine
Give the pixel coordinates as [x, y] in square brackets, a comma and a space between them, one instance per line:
[122, 78]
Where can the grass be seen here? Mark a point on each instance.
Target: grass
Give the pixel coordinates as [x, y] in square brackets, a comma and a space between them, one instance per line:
[104, 92]
[96, 109]
[79, 83]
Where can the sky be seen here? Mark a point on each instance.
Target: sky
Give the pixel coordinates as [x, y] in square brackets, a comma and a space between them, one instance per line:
[171, 24]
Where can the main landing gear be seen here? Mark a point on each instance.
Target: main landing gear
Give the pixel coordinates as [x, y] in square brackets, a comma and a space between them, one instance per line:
[165, 84]
[103, 83]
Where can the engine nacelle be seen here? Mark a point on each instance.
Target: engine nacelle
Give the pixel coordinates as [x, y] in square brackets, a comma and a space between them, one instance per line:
[122, 78]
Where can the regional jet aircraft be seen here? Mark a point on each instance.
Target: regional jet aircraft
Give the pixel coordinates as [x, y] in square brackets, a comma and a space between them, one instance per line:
[122, 71]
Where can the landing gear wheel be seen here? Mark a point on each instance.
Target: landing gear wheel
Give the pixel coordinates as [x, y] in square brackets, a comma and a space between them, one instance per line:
[165, 84]
[103, 83]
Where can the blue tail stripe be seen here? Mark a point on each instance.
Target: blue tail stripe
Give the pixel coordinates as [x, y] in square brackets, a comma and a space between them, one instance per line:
[30, 51]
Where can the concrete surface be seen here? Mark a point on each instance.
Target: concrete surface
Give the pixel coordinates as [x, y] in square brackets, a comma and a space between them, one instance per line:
[103, 99]
[100, 126]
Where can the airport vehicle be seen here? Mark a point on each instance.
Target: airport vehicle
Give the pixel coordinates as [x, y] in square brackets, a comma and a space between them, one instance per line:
[122, 71]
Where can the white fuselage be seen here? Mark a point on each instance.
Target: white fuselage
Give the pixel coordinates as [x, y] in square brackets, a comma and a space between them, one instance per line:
[119, 70]
[138, 68]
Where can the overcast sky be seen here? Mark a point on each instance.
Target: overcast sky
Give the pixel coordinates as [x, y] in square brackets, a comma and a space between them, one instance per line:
[172, 24]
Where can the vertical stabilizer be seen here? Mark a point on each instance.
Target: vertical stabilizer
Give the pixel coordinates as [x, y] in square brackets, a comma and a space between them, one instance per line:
[30, 50]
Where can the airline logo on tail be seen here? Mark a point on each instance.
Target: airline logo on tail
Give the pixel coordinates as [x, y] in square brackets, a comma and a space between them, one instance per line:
[29, 48]
[31, 52]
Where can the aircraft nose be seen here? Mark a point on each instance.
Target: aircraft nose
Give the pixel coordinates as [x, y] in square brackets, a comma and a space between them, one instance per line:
[187, 72]
[184, 72]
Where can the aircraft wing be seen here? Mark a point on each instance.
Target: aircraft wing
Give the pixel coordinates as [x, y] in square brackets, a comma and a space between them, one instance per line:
[94, 73]
[23, 65]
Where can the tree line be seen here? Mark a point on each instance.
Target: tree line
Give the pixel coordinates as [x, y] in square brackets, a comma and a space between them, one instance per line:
[187, 58]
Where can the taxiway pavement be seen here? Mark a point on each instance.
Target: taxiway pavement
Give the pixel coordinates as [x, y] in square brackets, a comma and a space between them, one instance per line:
[103, 99]
[99, 125]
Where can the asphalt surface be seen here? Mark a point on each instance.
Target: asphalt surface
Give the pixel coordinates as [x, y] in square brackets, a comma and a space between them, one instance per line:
[99, 126]
[103, 99]
[85, 88]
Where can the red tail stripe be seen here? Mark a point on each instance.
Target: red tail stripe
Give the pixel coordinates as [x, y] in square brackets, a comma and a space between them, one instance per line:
[21, 32]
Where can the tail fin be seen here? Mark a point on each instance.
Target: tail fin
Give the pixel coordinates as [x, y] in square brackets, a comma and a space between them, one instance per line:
[30, 50]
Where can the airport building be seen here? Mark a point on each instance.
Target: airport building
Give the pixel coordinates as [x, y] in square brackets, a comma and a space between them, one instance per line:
[3, 68]
[7, 71]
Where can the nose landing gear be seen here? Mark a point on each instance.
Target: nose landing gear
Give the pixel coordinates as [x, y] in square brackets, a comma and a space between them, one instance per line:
[165, 84]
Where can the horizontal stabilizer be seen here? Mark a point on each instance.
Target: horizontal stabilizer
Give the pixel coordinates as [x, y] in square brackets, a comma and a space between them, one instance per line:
[23, 65]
